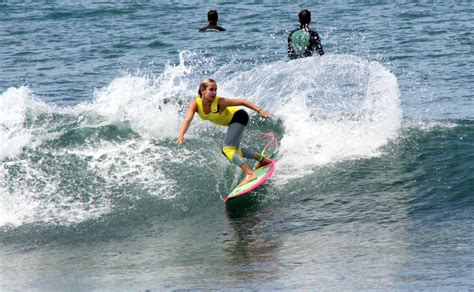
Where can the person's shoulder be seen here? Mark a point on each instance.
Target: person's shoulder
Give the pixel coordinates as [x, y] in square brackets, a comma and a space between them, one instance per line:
[293, 30]
[222, 100]
[290, 33]
[194, 104]
[212, 28]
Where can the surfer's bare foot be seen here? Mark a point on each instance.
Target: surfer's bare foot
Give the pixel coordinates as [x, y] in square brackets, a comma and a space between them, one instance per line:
[248, 178]
[264, 162]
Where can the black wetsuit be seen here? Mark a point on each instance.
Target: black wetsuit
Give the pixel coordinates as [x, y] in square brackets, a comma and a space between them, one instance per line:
[212, 27]
[314, 45]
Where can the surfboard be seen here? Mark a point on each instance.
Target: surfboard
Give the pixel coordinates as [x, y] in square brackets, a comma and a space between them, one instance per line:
[263, 174]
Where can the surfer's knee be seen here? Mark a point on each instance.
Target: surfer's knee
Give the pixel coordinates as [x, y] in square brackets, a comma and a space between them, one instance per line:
[241, 117]
[234, 155]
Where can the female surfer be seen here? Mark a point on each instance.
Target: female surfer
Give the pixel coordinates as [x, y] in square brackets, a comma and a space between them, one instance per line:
[223, 111]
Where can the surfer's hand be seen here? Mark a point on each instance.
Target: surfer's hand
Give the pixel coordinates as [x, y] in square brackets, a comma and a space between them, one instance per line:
[180, 140]
[264, 114]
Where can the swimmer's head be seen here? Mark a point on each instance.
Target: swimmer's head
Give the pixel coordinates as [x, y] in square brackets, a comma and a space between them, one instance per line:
[305, 17]
[212, 16]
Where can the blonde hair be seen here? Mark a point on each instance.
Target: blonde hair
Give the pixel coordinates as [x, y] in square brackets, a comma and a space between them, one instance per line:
[205, 84]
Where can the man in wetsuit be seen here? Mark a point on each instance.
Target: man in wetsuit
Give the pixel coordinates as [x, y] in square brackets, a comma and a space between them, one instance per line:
[212, 18]
[302, 42]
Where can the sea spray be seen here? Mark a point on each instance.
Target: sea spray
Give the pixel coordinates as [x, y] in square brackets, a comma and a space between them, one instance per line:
[332, 108]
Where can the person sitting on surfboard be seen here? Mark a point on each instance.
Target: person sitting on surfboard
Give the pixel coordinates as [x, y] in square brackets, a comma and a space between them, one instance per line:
[223, 111]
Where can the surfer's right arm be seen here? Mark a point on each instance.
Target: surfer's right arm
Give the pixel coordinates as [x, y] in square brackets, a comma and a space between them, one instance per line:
[192, 109]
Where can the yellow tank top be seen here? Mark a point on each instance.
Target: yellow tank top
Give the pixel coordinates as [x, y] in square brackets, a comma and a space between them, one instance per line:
[214, 116]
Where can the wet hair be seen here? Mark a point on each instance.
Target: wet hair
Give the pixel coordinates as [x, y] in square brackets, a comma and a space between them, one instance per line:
[212, 16]
[205, 84]
[304, 16]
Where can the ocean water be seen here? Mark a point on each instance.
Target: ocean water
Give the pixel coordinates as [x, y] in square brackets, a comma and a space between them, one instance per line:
[374, 181]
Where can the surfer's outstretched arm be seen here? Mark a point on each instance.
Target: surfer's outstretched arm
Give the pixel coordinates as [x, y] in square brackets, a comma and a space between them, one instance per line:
[187, 121]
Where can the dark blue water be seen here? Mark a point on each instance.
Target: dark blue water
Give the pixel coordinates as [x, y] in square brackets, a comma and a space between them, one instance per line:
[374, 187]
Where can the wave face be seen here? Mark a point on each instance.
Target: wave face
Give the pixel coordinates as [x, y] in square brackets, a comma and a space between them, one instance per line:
[72, 164]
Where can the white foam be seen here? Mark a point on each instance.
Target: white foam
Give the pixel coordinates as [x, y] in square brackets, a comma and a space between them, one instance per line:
[40, 195]
[150, 104]
[13, 134]
[37, 196]
[333, 108]
[131, 163]
[135, 100]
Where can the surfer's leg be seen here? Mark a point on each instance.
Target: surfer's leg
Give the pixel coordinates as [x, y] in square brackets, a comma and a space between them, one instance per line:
[249, 174]
[231, 147]
[233, 136]
[262, 160]
[232, 139]
[248, 152]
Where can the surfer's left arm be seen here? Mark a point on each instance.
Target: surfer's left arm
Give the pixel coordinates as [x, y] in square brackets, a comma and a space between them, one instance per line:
[242, 102]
